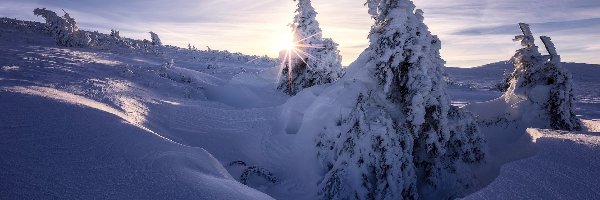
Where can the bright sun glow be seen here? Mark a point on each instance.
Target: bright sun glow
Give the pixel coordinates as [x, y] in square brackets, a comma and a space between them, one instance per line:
[285, 41]
[294, 50]
[289, 45]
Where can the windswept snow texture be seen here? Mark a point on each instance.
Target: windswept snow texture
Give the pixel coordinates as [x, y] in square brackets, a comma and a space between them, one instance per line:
[55, 146]
[566, 166]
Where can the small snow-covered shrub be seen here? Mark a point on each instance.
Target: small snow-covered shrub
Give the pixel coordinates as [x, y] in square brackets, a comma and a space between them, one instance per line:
[169, 71]
[155, 39]
[64, 29]
[23, 25]
[115, 33]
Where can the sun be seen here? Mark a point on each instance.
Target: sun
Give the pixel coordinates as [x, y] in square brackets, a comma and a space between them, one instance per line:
[289, 44]
[284, 41]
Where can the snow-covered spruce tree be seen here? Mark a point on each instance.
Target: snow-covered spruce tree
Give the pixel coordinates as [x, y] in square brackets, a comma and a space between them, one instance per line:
[465, 142]
[403, 138]
[408, 65]
[314, 60]
[115, 33]
[64, 29]
[370, 158]
[155, 39]
[543, 81]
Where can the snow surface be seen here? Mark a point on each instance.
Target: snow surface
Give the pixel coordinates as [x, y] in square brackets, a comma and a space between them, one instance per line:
[566, 166]
[78, 123]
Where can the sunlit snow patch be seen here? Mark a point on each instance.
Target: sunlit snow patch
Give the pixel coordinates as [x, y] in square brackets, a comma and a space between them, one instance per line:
[10, 68]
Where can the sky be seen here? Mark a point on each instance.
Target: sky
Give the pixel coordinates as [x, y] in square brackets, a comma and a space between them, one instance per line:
[473, 32]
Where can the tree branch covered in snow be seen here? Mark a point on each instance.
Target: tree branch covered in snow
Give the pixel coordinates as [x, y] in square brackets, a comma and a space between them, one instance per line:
[253, 170]
[258, 171]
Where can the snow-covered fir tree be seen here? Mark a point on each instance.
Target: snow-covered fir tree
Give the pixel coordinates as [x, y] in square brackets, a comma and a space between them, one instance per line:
[115, 33]
[403, 139]
[155, 39]
[64, 29]
[543, 81]
[313, 60]
[369, 158]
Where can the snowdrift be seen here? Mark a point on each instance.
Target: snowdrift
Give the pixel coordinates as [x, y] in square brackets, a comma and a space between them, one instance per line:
[68, 147]
[564, 167]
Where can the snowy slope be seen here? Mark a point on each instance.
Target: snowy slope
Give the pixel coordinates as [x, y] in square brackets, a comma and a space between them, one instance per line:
[58, 145]
[84, 124]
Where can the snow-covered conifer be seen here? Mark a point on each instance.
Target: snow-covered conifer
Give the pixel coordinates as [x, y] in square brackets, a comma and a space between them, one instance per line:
[155, 39]
[402, 139]
[465, 141]
[543, 81]
[408, 65]
[64, 29]
[314, 60]
[369, 158]
[115, 33]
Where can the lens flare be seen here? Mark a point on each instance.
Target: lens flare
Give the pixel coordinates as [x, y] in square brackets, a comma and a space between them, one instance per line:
[295, 51]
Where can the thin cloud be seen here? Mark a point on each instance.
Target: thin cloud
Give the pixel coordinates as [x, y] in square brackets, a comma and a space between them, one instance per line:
[545, 27]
